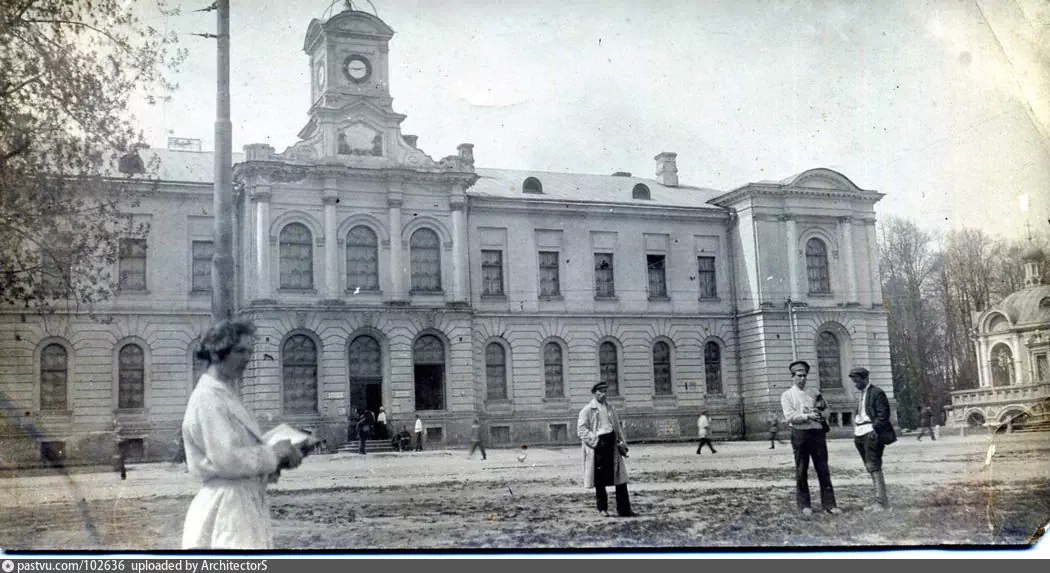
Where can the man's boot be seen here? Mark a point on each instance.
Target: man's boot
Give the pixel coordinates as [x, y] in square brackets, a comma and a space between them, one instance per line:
[880, 489]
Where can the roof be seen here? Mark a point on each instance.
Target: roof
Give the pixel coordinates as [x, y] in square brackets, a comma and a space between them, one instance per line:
[507, 183]
[185, 166]
[1027, 306]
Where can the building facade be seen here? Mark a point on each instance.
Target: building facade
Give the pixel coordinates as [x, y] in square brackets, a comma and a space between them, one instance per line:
[379, 276]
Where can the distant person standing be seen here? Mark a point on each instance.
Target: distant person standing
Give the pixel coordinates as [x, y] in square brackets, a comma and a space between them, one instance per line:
[365, 422]
[381, 425]
[703, 425]
[926, 419]
[773, 424]
[872, 432]
[807, 440]
[475, 440]
[419, 434]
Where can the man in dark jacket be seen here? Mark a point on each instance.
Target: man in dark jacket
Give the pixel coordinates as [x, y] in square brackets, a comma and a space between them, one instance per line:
[365, 422]
[872, 432]
[926, 419]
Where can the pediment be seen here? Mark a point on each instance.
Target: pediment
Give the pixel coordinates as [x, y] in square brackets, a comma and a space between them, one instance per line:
[359, 23]
[822, 178]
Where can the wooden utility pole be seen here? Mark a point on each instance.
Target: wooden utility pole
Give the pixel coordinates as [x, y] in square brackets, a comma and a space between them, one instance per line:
[222, 259]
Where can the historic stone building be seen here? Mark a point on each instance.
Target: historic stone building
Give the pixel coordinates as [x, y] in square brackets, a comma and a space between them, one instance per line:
[380, 276]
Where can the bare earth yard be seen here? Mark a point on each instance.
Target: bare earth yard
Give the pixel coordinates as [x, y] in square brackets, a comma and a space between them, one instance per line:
[942, 493]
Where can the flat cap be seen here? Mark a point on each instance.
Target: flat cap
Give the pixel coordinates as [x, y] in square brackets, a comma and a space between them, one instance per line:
[858, 372]
[599, 386]
[799, 362]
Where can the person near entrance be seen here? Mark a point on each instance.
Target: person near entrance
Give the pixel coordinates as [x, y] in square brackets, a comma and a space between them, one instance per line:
[402, 440]
[774, 427]
[872, 432]
[352, 417]
[475, 440]
[807, 440]
[604, 449]
[926, 419]
[703, 426]
[381, 425]
[419, 434]
[365, 423]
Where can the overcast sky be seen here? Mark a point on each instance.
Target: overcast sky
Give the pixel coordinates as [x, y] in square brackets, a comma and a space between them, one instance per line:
[941, 105]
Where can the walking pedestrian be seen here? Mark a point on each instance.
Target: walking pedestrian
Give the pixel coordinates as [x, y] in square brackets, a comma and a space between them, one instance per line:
[475, 440]
[703, 425]
[419, 434]
[926, 419]
[604, 449]
[807, 440]
[872, 432]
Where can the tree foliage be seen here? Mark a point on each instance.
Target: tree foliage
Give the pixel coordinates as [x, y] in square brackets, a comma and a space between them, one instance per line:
[68, 71]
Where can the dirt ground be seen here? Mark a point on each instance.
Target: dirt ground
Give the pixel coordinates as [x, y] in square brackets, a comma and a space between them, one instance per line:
[942, 493]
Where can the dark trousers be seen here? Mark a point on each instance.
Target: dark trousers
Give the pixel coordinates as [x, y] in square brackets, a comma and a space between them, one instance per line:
[922, 432]
[419, 441]
[808, 444]
[623, 499]
[474, 446]
[362, 437]
[705, 441]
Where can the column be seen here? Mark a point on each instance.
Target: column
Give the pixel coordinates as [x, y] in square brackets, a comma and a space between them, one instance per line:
[983, 374]
[846, 223]
[875, 279]
[393, 203]
[331, 247]
[459, 245]
[260, 195]
[792, 259]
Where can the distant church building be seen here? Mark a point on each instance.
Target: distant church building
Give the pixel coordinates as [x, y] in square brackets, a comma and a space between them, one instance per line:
[1012, 340]
[378, 276]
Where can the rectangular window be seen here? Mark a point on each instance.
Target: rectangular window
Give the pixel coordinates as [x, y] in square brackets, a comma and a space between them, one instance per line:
[559, 433]
[55, 269]
[549, 282]
[491, 273]
[202, 253]
[657, 276]
[1042, 372]
[132, 265]
[52, 453]
[604, 283]
[500, 434]
[705, 277]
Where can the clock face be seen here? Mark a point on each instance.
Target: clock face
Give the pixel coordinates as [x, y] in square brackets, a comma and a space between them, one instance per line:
[357, 68]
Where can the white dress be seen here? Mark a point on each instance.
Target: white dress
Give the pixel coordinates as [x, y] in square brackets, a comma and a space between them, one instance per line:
[224, 449]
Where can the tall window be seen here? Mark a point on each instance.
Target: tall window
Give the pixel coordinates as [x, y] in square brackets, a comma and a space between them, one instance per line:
[491, 272]
[496, 372]
[297, 257]
[131, 377]
[132, 264]
[55, 269]
[657, 276]
[362, 259]
[549, 280]
[299, 360]
[1042, 371]
[366, 373]
[553, 379]
[705, 276]
[609, 367]
[604, 282]
[428, 354]
[202, 254]
[713, 368]
[54, 377]
[1002, 365]
[817, 267]
[662, 368]
[426, 261]
[829, 360]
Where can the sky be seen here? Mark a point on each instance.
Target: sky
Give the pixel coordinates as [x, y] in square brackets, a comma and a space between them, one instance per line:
[943, 105]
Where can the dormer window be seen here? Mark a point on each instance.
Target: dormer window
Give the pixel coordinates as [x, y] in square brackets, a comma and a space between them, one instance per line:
[532, 185]
[640, 191]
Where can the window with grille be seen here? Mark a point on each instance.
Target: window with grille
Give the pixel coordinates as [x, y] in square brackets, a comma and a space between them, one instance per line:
[1042, 372]
[297, 257]
[54, 377]
[362, 259]
[500, 434]
[713, 368]
[202, 254]
[426, 261]
[553, 381]
[496, 371]
[131, 377]
[609, 368]
[657, 276]
[428, 354]
[817, 267]
[829, 361]
[604, 282]
[365, 359]
[705, 277]
[132, 265]
[491, 273]
[549, 280]
[662, 368]
[299, 373]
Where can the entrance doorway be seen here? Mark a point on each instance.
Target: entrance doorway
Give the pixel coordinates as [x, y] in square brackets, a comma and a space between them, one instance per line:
[366, 394]
[366, 374]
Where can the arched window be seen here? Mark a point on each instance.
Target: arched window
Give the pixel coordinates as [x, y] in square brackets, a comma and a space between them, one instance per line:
[299, 361]
[713, 368]
[362, 259]
[1002, 362]
[131, 377]
[428, 354]
[366, 373]
[297, 257]
[640, 191]
[817, 267]
[532, 185]
[54, 377]
[426, 261]
[662, 368]
[829, 361]
[553, 378]
[496, 372]
[609, 367]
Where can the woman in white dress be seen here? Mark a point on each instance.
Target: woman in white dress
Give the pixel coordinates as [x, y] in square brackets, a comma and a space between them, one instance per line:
[225, 450]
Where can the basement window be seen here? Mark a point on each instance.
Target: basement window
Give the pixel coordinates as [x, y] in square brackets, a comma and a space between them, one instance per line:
[435, 434]
[500, 434]
[559, 433]
[52, 453]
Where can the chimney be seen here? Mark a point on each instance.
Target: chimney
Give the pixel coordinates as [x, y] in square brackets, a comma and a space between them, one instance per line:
[410, 140]
[666, 168]
[466, 153]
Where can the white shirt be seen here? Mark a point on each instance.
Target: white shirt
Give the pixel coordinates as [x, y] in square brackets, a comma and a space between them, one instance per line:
[419, 426]
[702, 424]
[862, 425]
[382, 418]
[798, 404]
[604, 421]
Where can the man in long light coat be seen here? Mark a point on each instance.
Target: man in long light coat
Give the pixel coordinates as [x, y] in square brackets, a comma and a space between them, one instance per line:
[604, 449]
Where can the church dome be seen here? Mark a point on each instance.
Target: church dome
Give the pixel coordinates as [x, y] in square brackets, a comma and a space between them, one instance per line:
[1032, 254]
[1028, 306]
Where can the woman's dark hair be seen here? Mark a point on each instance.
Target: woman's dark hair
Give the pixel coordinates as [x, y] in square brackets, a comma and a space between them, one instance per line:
[219, 340]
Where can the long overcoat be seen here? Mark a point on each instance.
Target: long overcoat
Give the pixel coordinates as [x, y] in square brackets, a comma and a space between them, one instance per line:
[225, 450]
[585, 426]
